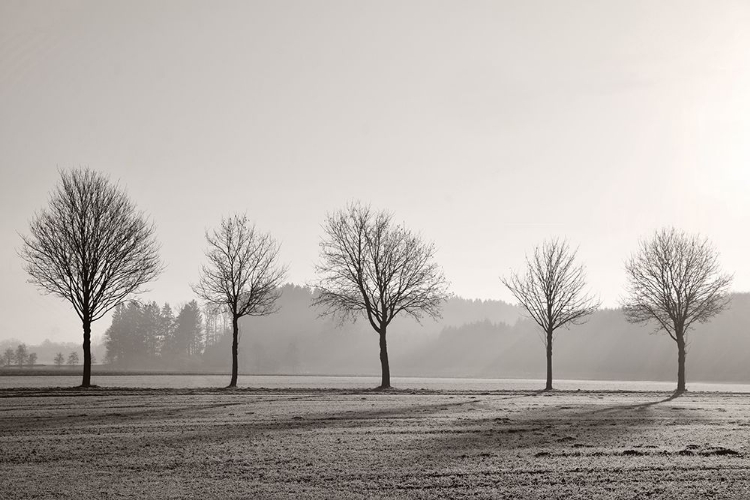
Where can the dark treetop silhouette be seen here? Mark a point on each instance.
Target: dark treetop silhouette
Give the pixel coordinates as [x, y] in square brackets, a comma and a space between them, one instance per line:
[90, 247]
[675, 281]
[370, 266]
[552, 292]
[242, 274]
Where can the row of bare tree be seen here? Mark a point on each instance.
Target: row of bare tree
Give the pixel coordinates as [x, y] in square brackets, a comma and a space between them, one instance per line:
[674, 282]
[94, 249]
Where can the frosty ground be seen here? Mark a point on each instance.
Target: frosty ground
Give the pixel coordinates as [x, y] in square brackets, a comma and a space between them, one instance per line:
[126, 443]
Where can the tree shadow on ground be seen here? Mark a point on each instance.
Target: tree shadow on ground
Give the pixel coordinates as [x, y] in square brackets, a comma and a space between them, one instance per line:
[641, 406]
[569, 429]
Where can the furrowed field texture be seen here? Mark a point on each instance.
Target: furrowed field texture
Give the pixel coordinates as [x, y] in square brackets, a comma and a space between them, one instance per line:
[117, 443]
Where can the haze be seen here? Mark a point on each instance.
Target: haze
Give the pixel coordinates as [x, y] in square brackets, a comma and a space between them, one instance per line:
[487, 126]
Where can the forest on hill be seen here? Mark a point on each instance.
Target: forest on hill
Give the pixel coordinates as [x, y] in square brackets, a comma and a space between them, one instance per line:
[474, 338]
[491, 339]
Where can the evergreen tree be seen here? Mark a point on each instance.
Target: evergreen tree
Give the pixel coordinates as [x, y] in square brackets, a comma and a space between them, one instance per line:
[149, 326]
[165, 331]
[131, 339]
[188, 331]
[114, 337]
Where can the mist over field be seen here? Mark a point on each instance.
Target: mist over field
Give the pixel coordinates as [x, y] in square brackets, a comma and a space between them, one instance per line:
[473, 338]
[492, 339]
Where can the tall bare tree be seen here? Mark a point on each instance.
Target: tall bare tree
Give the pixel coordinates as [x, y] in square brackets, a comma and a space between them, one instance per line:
[372, 267]
[243, 274]
[91, 247]
[674, 281]
[551, 289]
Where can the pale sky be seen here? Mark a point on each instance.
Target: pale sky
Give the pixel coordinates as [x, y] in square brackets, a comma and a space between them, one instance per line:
[486, 126]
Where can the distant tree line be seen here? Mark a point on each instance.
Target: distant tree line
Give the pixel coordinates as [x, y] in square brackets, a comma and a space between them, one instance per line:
[19, 356]
[72, 359]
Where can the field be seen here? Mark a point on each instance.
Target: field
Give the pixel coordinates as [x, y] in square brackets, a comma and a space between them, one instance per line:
[126, 443]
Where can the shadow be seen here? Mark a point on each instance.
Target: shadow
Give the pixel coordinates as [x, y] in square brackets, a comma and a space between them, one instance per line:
[641, 406]
[134, 407]
[575, 428]
[446, 424]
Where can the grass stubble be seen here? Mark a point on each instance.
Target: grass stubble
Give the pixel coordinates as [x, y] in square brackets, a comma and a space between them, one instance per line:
[204, 443]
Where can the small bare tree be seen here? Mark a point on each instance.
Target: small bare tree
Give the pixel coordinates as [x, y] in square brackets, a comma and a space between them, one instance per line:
[552, 291]
[22, 354]
[372, 267]
[243, 274]
[674, 281]
[90, 247]
[9, 356]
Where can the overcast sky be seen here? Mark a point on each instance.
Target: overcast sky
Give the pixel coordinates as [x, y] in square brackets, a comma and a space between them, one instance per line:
[486, 126]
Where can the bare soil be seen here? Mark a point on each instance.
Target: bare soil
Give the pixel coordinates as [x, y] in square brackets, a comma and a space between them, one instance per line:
[124, 443]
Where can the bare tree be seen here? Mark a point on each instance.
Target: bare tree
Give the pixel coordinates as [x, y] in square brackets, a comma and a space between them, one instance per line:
[9, 356]
[372, 267]
[90, 247]
[243, 274]
[674, 281]
[73, 359]
[552, 291]
[31, 359]
[59, 359]
[22, 354]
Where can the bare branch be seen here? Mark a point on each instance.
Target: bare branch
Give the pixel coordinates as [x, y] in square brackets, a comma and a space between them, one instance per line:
[372, 267]
[242, 273]
[674, 281]
[90, 246]
[552, 288]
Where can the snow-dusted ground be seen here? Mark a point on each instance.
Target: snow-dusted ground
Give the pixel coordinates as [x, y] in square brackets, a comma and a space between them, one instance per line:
[196, 443]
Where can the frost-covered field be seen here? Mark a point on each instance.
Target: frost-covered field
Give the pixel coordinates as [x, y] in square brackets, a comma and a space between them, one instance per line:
[110, 443]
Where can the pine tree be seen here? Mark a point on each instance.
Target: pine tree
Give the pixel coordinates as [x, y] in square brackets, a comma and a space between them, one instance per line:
[165, 331]
[149, 326]
[113, 337]
[188, 332]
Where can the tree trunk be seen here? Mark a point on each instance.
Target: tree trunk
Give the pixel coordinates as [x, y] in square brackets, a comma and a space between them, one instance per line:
[235, 342]
[681, 362]
[385, 368]
[86, 353]
[548, 387]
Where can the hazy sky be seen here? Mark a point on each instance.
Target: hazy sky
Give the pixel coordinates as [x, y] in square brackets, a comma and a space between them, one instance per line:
[487, 126]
